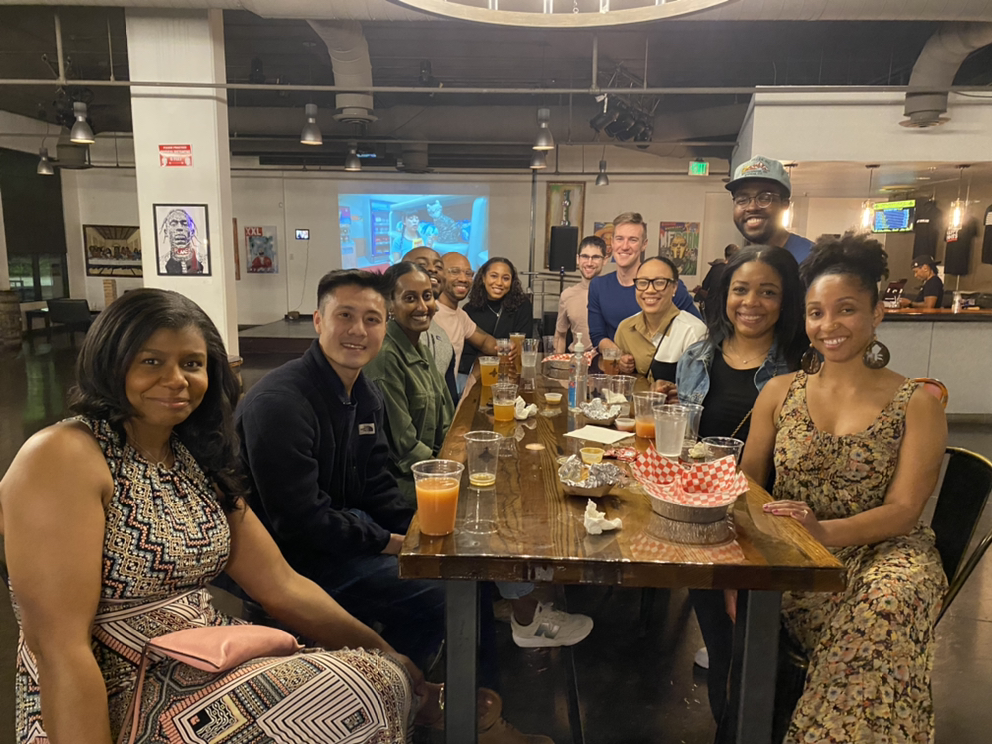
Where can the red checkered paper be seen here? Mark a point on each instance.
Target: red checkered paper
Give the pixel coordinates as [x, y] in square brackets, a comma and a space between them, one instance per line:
[589, 355]
[690, 484]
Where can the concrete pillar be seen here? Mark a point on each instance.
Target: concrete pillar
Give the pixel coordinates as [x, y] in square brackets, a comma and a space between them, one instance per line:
[184, 46]
[4, 268]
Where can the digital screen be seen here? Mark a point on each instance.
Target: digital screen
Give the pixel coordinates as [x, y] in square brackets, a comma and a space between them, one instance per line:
[378, 227]
[894, 216]
[303, 235]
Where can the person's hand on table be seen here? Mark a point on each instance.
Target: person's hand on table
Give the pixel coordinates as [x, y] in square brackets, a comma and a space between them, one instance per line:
[801, 513]
[904, 302]
[626, 365]
[668, 388]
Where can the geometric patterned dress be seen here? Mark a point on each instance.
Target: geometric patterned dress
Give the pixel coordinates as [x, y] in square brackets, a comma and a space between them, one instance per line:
[870, 646]
[166, 537]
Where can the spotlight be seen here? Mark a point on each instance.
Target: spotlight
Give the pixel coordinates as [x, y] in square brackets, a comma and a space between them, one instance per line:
[44, 164]
[644, 136]
[544, 139]
[602, 179]
[602, 119]
[80, 134]
[539, 160]
[622, 123]
[311, 132]
[352, 163]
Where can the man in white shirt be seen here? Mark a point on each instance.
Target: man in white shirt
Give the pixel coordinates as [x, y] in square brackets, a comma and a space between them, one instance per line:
[573, 303]
[456, 283]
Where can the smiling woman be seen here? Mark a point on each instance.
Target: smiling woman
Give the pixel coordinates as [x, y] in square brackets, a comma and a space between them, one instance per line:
[498, 305]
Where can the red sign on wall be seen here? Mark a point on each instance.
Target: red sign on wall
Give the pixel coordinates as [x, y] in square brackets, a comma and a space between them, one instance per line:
[175, 156]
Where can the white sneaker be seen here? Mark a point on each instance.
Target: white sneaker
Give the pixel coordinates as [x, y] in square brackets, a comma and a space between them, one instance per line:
[550, 628]
[702, 658]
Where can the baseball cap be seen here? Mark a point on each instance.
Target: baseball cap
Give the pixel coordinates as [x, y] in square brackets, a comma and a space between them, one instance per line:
[924, 260]
[764, 168]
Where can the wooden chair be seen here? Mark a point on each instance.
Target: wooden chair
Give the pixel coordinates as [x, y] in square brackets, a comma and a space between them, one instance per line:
[935, 387]
[73, 314]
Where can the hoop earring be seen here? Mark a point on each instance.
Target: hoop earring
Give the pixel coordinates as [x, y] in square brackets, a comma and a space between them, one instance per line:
[811, 361]
[876, 356]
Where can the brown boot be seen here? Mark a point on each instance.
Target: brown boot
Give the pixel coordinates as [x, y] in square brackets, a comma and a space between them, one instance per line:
[493, 728]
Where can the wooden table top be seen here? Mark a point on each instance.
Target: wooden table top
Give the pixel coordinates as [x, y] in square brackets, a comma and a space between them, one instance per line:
[541, 536]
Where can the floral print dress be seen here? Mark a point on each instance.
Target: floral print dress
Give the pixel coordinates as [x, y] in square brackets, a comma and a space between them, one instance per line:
[870, 646]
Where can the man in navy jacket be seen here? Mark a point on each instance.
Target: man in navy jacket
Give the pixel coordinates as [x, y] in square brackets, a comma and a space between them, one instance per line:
[313, 443]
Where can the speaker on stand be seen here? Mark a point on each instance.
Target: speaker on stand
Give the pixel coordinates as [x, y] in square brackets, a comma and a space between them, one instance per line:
[564, 245]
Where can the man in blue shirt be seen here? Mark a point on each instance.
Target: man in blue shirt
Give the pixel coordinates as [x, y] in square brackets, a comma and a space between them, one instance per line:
[761, 189]
[612, 298]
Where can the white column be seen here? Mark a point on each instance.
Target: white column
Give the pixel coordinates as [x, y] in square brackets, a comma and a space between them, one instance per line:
[184, 46]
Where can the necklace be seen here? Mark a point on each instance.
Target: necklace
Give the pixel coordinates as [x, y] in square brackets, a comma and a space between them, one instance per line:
[146, 454]
[741, 361]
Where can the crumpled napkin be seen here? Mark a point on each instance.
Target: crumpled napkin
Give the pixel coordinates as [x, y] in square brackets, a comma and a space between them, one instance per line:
[614, 398]
[523, 411]
[596, 522]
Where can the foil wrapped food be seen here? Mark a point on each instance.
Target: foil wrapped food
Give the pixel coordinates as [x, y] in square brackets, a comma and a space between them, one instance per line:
[573, 472]
[596, 410]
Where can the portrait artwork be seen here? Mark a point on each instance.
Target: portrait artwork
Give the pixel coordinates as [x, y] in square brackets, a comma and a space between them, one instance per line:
[260, 244]
[181, 242]
[680, 242]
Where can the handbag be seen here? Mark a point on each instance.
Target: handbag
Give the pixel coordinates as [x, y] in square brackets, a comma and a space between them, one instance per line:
[213, 649]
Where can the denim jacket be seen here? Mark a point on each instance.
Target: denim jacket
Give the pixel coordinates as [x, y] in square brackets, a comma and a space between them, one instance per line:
[692, 376]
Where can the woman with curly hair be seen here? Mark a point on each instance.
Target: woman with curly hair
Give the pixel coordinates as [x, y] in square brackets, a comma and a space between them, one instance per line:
[498, 305]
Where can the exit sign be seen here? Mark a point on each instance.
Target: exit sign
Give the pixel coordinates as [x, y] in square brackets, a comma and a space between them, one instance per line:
[699, 168]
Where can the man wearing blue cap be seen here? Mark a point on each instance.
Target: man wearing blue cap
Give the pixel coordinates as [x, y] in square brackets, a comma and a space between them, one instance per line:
[761, 189]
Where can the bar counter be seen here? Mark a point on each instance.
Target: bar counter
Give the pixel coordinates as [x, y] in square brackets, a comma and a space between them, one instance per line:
[953, 347]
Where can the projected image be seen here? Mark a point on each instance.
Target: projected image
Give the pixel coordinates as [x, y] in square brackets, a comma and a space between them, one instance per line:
[377, 229]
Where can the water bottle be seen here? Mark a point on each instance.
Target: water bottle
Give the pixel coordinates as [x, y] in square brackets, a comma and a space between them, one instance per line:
[578, 373]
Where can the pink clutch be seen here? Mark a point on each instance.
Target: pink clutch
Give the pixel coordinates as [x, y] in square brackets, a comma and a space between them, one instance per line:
[214, 649]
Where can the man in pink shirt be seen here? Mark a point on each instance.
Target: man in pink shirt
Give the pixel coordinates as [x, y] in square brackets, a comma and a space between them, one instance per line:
[573, 304]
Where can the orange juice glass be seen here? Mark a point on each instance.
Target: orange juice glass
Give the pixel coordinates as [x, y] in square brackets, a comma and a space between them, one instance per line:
[644, 428]
[438, 483]
[644, 404]
[489, 370]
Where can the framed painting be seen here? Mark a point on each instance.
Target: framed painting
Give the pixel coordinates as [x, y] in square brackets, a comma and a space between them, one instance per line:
[112, 250]
[182, 247]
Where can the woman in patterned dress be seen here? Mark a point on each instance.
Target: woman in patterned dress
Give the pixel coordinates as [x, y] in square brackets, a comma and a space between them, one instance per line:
[115, 521]
[857, 450]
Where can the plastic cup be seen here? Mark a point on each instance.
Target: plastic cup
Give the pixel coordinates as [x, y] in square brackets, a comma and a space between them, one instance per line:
[549, 345]
[610, 361]
[598, 385]
[530, 352]
[644, 404]
[669, 429]
[518, 342]
[437, 483]
[623, 385]
[592, 455]
[720, 447]
[504, 399]
[692, 425]
[482, 456]
[488, 370]
[480, 511]
[504, 347]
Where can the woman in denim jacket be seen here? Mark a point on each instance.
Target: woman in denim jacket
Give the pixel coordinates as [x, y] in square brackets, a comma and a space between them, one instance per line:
[756, 331]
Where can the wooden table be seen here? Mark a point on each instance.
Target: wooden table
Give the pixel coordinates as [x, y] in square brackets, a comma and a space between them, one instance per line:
[541, 538]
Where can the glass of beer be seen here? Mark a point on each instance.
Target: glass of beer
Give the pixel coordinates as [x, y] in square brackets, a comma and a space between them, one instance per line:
[482, 456]
[504, 347]
[488, 370]
[518, 342]
[437, 482]
[610, 361]
[504, 399]
[644, 404]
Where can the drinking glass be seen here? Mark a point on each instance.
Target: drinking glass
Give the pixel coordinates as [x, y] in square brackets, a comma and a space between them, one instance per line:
[623, 385]
[504, 398]
[489, 370]
[598, 385]
[437, 483]
[669, 429]
[692, 425]
[644, 404]
[610, 360]
[549, 345]
[518, 342]
[504, 347]
[720, 447]
[482, 456]
[530, 352]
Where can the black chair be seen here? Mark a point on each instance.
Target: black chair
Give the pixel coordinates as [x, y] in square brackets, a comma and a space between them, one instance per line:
[73, 314]
[963, 494]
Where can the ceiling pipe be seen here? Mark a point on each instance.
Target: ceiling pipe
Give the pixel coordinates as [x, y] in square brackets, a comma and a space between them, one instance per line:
[936, 67]
[352, 66]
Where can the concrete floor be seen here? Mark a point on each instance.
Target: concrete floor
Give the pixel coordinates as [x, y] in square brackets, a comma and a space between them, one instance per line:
[636, 682]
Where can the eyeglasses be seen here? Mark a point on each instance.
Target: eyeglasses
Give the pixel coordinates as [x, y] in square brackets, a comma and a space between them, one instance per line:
[764, 199]
[458, 272]
[660, 284]
[587, 257]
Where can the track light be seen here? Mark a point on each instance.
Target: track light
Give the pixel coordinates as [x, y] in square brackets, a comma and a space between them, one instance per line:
[44, 164]
[80, 134]
[352, 163]
[311, 132]
[544, 139]
[602, 179]
[539, 160]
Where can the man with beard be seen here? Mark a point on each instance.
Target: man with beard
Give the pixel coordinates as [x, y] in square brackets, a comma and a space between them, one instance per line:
[761, 189]
[436, 338]
[180, 232]
[455, 285]
[573, 304]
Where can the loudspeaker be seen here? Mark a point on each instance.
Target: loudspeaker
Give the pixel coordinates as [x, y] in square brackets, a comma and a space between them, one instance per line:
[564, 246]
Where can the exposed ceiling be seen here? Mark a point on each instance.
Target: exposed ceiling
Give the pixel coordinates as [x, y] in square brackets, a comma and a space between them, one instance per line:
[492, 130]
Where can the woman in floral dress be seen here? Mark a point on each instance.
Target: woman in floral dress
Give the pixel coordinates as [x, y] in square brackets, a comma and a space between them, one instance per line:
[857, 451]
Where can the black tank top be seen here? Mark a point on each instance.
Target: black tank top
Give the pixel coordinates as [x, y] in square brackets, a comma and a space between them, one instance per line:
[731, 395]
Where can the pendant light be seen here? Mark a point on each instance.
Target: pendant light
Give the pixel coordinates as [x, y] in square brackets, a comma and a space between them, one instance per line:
[867, 212]
[959, 207]
[44, 164]
[81, 134]
[544, 141]
[311, 131]
[352, 163]
[602, 179]
[539, 160]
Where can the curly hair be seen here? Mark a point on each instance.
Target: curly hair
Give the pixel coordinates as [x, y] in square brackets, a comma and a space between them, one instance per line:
[477, 296]
[106, 355]
[853, 255]
[790, 328]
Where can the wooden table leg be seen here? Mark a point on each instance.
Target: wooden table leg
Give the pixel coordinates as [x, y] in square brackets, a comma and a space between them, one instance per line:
[756, 636]
[462, 638]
